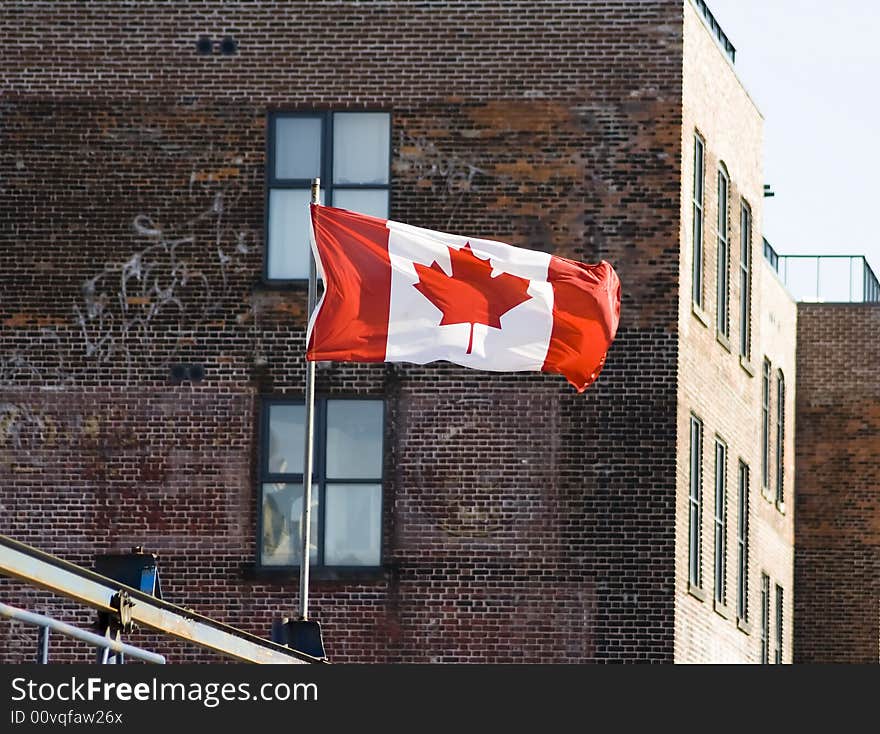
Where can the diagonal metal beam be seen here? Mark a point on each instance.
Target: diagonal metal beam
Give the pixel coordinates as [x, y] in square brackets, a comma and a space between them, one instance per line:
[67, 579]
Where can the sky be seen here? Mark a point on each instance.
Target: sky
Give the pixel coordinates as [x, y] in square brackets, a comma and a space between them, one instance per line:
[813, 69]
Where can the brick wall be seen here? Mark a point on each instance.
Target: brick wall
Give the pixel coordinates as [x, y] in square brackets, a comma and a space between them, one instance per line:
[715, 384]
[837, 556]
[522, 522]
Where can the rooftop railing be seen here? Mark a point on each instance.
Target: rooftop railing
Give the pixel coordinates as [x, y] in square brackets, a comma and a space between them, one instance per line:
[826, 278]
[717, 30]
[770, 255]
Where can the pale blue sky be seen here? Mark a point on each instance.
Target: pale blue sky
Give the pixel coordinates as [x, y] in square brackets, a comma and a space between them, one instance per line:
[813, 69]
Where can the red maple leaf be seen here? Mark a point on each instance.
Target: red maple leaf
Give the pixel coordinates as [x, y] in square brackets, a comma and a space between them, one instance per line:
[470, 295]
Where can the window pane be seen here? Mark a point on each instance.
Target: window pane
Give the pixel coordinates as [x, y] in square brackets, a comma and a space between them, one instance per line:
[697, 285]
[695, 499]
[744, 313]
[288, 255]
[286, 439]
[745, 236]
[743, 542]
[721, 296]
[282, 520]
[765, 425]
[780, 438]
[366, 201]
[354, 439]
[297, 147]
[361, 147]
[779, 621]
[765, 618]
[720, 521]
[354, 519]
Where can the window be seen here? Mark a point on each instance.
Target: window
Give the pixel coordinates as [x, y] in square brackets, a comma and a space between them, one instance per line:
[777, 653]
[742, 543]
[745, 281]
[765, 618]
[699, 184]
[350, 151]
[722, 318]
[780, 437]
[347, 483]
[695, 502]
[720, 522]
[765, 425]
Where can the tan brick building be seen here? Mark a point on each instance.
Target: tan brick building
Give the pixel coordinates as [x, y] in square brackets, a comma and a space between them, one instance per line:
[152, 321]
[737, 341]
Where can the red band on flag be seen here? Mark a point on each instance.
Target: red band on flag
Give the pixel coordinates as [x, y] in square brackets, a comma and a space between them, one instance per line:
[586, 311]
[351, 324]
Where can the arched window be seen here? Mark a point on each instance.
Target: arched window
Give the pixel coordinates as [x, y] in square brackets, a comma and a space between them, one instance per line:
[699, 185]
[722, 317]
[745, 280]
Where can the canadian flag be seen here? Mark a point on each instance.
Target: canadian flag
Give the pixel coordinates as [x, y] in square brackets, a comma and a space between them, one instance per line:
[397, 293]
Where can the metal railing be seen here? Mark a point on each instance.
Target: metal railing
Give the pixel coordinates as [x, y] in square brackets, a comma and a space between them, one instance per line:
[770, 255]
[105, 644]
[828, 278]
[127, 606]
[717, 30]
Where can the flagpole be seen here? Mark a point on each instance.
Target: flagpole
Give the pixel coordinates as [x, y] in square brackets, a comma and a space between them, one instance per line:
[308, 457]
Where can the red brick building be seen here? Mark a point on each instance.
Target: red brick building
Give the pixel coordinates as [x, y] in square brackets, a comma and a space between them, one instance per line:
[152, 323]
[837, 564]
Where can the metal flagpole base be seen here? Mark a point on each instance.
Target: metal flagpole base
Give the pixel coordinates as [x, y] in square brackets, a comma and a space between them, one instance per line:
[302, 635]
